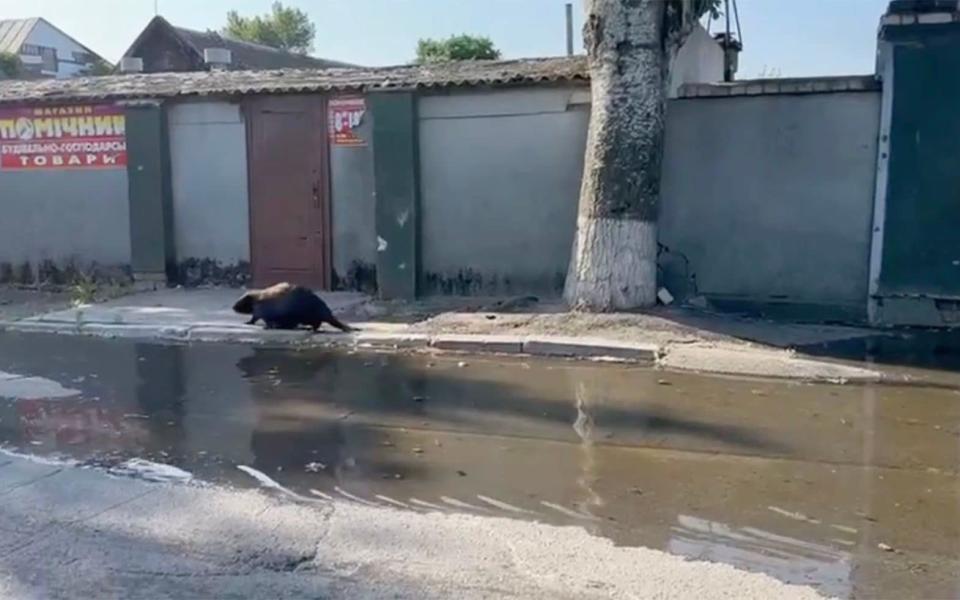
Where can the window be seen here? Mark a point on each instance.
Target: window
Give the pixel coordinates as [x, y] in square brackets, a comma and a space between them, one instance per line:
[49, 56]
[82, 57]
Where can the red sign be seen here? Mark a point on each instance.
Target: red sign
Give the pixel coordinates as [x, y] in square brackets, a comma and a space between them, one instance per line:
[344, 117]
[62, 137]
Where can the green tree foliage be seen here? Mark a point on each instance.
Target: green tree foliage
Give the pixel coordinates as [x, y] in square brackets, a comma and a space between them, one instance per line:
[10, 65]
[283, 28]
[456, 47]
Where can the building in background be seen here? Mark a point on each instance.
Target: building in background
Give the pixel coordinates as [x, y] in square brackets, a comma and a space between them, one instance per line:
[45, 50]
[163, 47]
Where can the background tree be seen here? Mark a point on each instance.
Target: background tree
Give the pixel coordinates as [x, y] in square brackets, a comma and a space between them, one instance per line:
[10, 65]
[456, 47]
[630, 44]
[284, 28]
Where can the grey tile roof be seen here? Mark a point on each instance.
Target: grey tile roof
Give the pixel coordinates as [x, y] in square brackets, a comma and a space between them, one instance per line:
[219, 83]
[13, 32]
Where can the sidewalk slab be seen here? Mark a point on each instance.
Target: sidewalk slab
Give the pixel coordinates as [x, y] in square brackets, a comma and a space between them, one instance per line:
[176, 307]
[590, 348]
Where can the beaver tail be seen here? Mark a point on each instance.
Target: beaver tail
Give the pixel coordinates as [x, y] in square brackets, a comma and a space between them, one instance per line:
[340, 324]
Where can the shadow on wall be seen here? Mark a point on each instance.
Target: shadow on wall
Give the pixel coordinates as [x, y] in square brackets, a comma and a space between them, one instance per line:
[470, 282]
[68, 272]
[193, 272]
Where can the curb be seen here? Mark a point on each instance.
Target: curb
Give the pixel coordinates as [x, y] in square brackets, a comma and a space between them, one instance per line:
[455, 343]
[645, 354]
[591, 348]
[497, 344]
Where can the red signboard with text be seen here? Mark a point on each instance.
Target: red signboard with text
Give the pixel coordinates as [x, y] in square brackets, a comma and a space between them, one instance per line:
[345, 116]
[62, 137]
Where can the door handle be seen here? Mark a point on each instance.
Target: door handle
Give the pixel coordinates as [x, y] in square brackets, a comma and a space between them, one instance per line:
[316, 194]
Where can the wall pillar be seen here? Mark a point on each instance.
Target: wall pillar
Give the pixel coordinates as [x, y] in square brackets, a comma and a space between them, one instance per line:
[397, 191]
[152, 254]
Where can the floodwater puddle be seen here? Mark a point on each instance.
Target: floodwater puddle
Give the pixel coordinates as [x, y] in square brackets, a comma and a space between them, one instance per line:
[852, 489]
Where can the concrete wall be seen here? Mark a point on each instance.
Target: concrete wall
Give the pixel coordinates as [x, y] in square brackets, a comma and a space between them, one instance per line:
[700, 60]
[500, 177]
[354, 211]
[65, 216]
[211, 212]
[767, 199]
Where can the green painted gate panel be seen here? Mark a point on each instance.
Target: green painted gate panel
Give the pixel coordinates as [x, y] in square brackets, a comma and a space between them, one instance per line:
[921, 246]
[151, 195]
[397, 188]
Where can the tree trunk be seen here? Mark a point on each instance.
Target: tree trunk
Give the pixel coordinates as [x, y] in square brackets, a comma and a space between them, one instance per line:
[614, 260]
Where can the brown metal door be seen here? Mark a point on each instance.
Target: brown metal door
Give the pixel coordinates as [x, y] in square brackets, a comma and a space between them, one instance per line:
[289, 190]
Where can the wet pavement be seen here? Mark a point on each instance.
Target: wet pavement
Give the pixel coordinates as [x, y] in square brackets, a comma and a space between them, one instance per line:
[930, 354]
[852, 489]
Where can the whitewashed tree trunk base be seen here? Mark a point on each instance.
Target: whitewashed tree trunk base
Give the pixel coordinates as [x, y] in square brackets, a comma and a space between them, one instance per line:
[614, 265]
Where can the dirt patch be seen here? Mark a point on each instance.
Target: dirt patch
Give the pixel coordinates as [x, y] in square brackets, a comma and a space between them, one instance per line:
[620, 327]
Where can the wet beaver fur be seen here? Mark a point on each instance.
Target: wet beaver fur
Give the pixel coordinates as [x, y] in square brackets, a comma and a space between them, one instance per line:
[286, 306]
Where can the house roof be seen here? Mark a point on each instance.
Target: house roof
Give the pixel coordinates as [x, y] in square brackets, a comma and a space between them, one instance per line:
[246, 55]
[255, 56]
[13, 32]
[221, 83]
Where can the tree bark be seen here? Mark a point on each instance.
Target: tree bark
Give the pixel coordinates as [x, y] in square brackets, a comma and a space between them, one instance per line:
[614, 261]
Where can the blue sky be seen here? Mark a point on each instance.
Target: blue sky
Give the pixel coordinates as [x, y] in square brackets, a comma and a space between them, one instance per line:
[785, 37]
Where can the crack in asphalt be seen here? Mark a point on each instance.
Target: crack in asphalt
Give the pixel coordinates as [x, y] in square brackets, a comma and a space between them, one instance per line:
[24, 484]
[47, 530]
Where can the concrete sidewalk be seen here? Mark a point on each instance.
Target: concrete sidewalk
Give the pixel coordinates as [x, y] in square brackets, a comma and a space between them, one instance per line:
[79, 533]
[674, 340]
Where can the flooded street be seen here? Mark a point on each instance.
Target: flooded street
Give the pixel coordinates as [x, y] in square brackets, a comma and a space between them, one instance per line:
[851, 489]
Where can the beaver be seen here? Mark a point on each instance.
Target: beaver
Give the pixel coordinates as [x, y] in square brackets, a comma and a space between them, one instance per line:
[286, 306]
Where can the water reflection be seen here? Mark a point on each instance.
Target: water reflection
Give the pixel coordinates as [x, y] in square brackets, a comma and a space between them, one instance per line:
[794, 560]
[799, 481]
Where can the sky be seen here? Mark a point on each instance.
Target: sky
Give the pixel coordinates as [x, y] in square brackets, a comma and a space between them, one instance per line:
[786, 38]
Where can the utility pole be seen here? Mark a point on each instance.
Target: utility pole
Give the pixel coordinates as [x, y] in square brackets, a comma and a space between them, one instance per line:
[727, 63]
[569, 29]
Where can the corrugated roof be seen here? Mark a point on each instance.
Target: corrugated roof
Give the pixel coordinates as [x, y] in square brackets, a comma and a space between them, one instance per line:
[247, 55]
[13, 32]
[203, 83]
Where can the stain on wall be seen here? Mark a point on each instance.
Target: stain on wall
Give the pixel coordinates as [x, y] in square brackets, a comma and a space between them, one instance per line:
[359, 277]
[354, 211]
[209, 175]
[769, 199]
[500, 183]
[79, 216]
